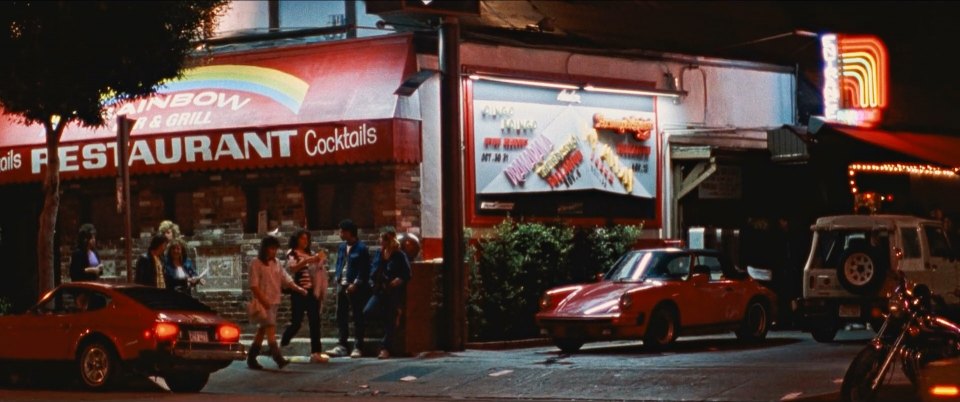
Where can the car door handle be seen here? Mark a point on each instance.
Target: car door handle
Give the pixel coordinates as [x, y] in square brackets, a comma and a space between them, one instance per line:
[728, 289]
[64, 326]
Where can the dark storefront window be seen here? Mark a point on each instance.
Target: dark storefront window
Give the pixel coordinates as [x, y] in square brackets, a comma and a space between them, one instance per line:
[329, 203]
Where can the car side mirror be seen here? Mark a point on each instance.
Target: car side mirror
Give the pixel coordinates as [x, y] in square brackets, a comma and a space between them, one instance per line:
[598, 277]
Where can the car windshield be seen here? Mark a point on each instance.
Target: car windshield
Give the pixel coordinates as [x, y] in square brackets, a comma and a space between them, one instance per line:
[631, 266]
[164, 299]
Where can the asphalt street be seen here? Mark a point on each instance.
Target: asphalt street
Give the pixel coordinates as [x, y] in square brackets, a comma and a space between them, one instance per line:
[788, 366]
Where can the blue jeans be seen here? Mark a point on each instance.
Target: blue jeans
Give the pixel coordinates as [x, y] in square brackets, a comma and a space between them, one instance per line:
[385, 307]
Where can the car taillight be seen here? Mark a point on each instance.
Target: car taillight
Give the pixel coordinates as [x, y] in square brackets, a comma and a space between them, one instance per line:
[166, 331]
[228, 333]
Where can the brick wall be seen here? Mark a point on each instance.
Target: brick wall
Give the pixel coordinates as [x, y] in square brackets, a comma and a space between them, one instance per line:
[212, 210]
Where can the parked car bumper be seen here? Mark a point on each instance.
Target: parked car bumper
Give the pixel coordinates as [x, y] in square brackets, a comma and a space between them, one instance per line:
[191, 357]
[818, 311]
[606, 328]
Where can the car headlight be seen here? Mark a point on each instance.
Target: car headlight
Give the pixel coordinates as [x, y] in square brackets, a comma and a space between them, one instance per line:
[625, 301]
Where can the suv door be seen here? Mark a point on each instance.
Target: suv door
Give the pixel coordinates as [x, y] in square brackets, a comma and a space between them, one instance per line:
[940, 267]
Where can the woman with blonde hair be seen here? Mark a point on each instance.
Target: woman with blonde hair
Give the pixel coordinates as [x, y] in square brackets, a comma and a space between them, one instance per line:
[391, 272]
[170, 230]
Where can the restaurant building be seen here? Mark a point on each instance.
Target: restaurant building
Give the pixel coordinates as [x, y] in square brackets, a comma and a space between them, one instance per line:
[256, 139]
[245, 143]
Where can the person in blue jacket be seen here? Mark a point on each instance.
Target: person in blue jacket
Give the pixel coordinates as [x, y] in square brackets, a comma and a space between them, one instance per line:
[352, 277]
[391, 272]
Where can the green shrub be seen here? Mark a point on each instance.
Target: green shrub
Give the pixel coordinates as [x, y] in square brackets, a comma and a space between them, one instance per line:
[517, 262]
[515, 265]
[607, 244]
[5, 306]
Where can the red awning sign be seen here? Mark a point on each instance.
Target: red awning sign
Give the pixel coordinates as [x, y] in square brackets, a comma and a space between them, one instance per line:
[391, 140]
[328, 103]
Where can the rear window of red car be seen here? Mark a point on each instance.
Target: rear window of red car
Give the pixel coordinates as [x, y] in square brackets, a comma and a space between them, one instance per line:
[164, 299]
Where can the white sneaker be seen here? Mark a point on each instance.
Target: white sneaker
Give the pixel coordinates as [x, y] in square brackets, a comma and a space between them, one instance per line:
[356, 353]
[319, 358]
[337, 351]
[384, 354]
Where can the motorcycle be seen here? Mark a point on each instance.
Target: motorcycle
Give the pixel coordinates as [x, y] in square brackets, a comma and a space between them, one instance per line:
[912, 333]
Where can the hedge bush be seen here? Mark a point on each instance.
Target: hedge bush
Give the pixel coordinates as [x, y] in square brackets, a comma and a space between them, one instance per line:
[518, 261]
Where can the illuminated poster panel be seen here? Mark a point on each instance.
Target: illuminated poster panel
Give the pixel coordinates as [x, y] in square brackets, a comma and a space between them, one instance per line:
[546, 140]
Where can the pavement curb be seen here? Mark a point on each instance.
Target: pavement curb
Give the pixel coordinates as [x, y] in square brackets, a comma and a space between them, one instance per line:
[513, 344]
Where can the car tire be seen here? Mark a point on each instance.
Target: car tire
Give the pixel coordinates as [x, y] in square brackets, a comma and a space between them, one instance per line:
[568, 345]
[859, 271]
[187, 382]
[824, 333]
[663, 328]
[756, 322]
[97, 365]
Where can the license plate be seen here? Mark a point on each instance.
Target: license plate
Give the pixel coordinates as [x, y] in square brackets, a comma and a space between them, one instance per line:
[849, 310]
[199, 336]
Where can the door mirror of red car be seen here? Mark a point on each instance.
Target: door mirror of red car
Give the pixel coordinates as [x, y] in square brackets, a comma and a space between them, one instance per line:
[700, 274]
[598, 277]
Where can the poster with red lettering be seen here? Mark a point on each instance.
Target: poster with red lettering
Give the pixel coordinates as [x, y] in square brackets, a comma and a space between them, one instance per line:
[531, 139]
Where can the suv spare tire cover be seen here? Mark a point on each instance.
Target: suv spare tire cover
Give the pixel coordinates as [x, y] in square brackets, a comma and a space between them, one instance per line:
[860, 271]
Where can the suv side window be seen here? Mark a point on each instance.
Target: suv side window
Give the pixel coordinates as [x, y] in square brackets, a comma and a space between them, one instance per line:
[911, 242]
[939, 247]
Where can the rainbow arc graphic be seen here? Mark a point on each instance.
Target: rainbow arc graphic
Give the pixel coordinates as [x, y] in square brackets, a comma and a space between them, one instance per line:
[283, 88]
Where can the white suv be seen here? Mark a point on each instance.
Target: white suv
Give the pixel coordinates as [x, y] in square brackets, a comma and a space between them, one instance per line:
[854, 261]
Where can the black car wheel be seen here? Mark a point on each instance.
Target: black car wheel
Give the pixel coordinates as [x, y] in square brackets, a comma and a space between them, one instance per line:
[756, 323]
[860, 272]
[97, 364]
[187, 382]
[568, 345]
[663, 328]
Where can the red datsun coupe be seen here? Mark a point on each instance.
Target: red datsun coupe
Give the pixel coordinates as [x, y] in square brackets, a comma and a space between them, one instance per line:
[100, 330]
[656, 295]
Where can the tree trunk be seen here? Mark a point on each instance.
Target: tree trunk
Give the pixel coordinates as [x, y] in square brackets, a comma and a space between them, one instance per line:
[51, 207]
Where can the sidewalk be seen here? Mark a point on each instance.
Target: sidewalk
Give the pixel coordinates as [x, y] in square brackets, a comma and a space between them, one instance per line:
[298, 351]
[299, 348]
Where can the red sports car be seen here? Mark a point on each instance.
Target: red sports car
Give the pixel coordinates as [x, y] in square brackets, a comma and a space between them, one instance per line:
[101, 330]
[656, 295]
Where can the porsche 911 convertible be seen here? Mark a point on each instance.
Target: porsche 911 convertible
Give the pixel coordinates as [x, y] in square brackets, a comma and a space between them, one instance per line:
[655, 296]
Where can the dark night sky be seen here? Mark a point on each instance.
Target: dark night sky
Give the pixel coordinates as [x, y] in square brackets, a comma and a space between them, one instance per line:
[920, 37]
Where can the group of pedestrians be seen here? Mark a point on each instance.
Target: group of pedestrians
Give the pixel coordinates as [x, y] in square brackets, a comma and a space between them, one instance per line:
[366, 288]
[165, 264]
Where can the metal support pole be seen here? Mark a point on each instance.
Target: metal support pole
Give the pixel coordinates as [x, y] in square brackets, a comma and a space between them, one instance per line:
[124, 125]
[451, 162]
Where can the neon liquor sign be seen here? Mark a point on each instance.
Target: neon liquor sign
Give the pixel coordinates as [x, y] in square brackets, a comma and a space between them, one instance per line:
[855, 79]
